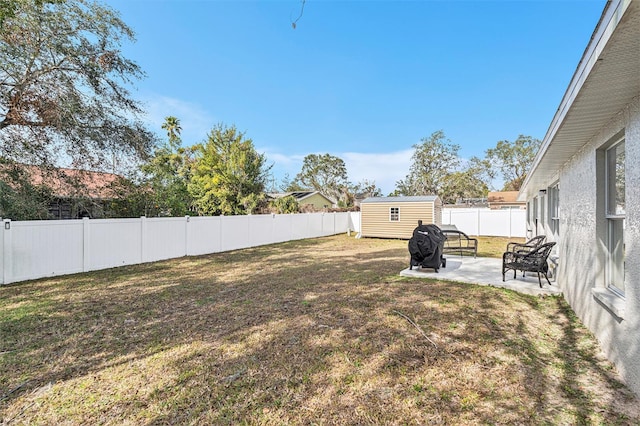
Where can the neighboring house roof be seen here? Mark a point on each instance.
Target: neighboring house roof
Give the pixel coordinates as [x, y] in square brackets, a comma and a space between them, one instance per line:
[410, 199]
[503, 197]
[604, 83]
[70, 183]
[300, 196]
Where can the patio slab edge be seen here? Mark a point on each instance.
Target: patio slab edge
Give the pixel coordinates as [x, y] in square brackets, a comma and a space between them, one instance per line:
[519, 285]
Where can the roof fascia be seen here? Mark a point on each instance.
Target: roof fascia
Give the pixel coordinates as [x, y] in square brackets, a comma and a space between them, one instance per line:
[611, 17]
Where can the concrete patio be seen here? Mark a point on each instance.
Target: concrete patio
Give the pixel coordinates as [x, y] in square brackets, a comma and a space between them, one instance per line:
[484, 271]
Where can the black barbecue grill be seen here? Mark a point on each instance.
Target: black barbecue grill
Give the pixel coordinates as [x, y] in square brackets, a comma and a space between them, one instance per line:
[426, 247]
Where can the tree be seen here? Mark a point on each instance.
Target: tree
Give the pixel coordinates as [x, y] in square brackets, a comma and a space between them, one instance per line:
[514, 159]
[366, 189]
[285, 205]
[172, 126]
[167, 174]
[463, 184]
[288, 185]
[432, 161]
[324, 173]
[64, 85]
[229, 176]
[131, 198]
[19, 198]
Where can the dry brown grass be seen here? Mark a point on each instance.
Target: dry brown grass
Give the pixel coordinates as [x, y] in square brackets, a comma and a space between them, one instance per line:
[306, 332]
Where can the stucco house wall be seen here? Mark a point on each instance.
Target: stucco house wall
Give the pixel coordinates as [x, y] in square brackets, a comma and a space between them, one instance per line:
[583, 245]
[600, 108]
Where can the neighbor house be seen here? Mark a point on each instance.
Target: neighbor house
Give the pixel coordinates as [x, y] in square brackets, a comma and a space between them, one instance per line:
[583, 189]
[76, 193]
[313, 200]
[500, 200]
[397, 217]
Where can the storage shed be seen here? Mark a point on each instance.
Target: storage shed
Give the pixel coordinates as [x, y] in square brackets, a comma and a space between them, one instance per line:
[397, 217]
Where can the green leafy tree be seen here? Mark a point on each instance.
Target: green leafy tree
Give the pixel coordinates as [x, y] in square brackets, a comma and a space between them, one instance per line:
[131, 198]
[65, 85]
[365, 189]
[284, 205]
[463, 184]
[20, 199]
[167, 174]
[513, 160]
[432, 161]
[289, 185]
[229, 176]
[324, 173]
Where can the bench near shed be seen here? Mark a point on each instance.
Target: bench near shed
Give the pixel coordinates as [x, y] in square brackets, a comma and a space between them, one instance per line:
[459, 242]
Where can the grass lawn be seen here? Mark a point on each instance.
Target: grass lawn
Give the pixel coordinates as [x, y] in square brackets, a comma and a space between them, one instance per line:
[319, 331]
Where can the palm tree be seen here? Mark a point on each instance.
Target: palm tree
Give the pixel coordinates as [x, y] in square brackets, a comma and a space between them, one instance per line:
[172, 126]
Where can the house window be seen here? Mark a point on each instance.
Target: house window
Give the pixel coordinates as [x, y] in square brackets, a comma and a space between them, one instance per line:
[394, 214]
[615, 214]
[534, 216]
[554, 210]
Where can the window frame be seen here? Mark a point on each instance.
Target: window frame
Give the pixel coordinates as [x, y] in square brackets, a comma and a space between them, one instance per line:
[554, 210]
[615, 239]
[393, 214]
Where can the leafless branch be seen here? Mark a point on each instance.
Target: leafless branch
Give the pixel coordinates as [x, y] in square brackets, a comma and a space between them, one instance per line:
[293, 23]
[416, 326]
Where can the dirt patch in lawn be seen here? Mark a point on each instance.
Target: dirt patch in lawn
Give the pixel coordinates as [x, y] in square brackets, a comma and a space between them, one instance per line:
[319, 331]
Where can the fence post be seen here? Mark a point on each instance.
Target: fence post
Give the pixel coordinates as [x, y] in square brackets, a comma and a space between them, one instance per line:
[186, 235]
[143, 238]
[86, 244]
[1, 254]
[7, 254]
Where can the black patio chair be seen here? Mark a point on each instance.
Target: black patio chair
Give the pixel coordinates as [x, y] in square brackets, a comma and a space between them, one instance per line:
[530, 245]
[531, 261]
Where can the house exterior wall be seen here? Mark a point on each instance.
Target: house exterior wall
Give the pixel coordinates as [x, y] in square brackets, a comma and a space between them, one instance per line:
[318, 201]
[582, 243]
[376, 223]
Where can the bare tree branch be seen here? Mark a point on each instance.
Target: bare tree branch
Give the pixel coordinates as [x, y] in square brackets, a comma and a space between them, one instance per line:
[293, 23]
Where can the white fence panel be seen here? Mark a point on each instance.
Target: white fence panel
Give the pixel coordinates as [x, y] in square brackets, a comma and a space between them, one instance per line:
[299, 226]
[204, 235]
[282, 228]
[496, 222]
[354, 221]
[466, 220]
[36, 249]
[504, 223]
[315, 225]
[46, 248]
[115, 242]
[261, 229]
[3, 237]
[235, 233]
[328, 224]
[164, 238]
[342, 223]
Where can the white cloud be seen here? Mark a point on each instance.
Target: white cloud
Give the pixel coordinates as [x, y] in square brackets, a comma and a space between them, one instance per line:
[195, 121]
[385, 169]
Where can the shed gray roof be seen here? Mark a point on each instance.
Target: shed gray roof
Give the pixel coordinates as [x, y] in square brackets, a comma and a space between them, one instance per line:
[411, 199]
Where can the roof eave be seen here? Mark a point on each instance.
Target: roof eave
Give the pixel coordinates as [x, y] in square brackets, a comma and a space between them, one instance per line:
[582, 101]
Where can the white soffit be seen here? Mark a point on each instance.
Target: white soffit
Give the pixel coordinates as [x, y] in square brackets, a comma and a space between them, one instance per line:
[607, 80]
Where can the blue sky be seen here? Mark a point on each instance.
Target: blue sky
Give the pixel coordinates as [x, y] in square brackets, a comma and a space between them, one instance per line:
[361, 80]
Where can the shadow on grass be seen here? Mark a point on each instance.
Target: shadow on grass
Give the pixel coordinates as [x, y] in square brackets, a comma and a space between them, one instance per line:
[300, 332]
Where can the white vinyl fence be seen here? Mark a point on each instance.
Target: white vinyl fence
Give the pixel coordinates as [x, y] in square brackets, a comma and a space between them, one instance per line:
[499, 223]
[36, 249]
